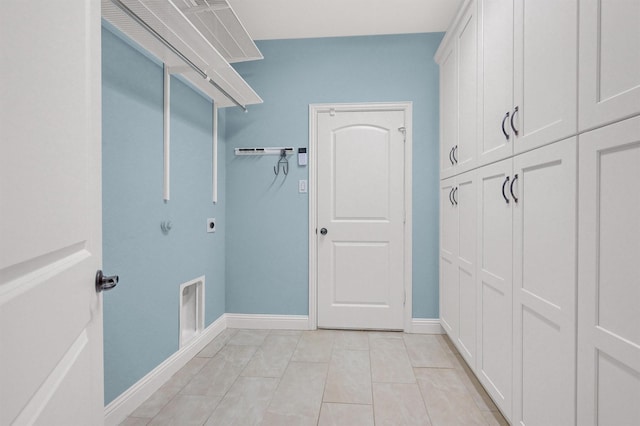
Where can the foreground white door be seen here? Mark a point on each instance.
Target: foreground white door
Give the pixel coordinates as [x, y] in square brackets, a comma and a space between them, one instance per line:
[360, 206]
[50, 213]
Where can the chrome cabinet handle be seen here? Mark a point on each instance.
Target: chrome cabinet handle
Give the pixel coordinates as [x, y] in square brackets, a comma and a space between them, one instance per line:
[515, 178]
[506, 117]
[504, 184]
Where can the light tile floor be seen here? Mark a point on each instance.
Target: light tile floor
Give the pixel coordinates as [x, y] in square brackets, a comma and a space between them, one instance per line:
[324, 377]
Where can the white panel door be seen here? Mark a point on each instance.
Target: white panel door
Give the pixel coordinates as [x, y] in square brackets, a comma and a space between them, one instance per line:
[545, 71]
[50, 213]
[544, 296]
[495, 141]
[609, 61]
[448, 110]
[494, 272]
[609, 276]
[465, 202]
[449, 292]
[361, 206]
[464, 153]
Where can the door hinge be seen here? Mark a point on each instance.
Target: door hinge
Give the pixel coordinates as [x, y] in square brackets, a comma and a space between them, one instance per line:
[404, 302]
[403, 130]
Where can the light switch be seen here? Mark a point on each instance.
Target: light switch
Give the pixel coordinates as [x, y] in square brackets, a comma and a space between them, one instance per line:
[302, 186]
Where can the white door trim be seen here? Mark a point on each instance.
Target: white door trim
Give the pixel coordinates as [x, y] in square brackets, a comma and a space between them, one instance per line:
[314, 110]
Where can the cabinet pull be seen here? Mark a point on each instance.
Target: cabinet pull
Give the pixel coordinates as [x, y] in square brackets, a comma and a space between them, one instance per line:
[454, 150]
[455, 200]
[504, 184]
[506, 117]
[515, 110]
[515, 178]
[450, 200]
[450, 154]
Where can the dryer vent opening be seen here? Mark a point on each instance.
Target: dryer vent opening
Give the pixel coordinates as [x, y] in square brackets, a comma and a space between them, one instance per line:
[191, 310]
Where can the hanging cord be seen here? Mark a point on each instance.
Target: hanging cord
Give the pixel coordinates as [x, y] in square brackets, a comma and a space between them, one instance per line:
[282, 161]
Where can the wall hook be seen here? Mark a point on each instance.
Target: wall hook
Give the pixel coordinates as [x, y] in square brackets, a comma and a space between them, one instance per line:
[282, 161]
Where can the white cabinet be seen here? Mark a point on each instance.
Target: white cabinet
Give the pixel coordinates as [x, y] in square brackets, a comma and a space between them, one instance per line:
[544, 284]
[458, 262]
[527, 283]
[449, 306]
[609, 275]
[609, 61]
[458, 97]
[528, 75]
[495, 53]
[545, 71]
[494, 366]
[448, 110]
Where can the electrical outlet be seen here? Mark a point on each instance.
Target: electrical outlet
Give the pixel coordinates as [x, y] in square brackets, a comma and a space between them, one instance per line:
[211, 224]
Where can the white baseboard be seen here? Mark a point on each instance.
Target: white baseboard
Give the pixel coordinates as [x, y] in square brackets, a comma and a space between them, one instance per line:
[426, 326]
[129, 400]
[273, 322]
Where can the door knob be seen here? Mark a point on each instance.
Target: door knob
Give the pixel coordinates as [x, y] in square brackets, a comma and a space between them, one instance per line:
[105, 282]
[323, 231]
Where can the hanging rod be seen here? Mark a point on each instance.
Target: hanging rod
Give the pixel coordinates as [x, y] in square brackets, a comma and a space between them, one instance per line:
[179, 54]
[263, 151]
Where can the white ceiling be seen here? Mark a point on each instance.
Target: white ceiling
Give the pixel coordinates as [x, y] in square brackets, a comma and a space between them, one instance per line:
[281, 19]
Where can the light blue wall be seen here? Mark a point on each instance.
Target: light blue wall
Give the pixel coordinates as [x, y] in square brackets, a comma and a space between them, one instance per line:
[141, 314]
[267, 242]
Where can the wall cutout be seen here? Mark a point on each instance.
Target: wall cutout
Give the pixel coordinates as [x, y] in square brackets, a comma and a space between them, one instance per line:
[191, 310]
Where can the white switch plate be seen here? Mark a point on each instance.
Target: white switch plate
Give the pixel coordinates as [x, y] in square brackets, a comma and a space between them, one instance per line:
[211, 224]
[302, 186]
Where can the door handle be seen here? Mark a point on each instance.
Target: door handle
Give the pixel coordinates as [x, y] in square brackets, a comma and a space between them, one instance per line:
[515, 178]
[450, 199]
[451, 153]
[504, 184]
[105, 282]
[324, 231]
[455, 200]
[515, 110]
[506, 117]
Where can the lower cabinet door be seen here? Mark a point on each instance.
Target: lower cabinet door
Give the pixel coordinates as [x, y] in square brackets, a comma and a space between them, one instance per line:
[609, 276]
[448, 259]
[465, 201]
[543, 188]
[494, 278]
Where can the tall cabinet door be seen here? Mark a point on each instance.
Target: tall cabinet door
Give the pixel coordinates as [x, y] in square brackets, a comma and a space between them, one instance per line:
[609, 276]
[495, 282]
[448, 110]
[609, 61]
[544, 311]
[545, 71]
[495, 100]
[448, 258]
[467, 50]
[465, 200]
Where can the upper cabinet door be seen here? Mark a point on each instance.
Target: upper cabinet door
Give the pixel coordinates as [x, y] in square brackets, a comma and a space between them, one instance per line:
[545, 71]
[464, 153]
[495, 101]
[609, 61]
[448, 110]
